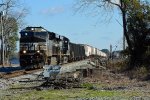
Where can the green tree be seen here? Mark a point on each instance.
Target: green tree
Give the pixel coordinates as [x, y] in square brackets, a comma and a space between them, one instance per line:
[138, 20]
[106, 51]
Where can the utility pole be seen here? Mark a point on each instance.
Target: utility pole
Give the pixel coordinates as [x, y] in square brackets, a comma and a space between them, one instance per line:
[110, 51]
[2, 39]
[2, 36]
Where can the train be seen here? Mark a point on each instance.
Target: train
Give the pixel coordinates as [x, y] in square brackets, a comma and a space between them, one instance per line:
[39, 46]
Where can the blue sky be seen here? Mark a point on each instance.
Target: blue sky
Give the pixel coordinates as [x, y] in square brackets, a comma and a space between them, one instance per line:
[59, 16]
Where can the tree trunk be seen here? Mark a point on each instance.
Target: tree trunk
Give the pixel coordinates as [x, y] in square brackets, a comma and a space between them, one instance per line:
[127, 38]
[125, 30]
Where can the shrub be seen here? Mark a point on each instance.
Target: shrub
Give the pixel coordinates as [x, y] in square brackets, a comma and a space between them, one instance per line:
[88, 86]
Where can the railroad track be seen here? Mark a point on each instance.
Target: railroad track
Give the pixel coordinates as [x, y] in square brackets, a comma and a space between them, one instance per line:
[18, 73]
[24, 72]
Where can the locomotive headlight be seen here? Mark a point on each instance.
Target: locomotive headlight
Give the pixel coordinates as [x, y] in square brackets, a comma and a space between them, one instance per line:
[24, 51]
[38, 51]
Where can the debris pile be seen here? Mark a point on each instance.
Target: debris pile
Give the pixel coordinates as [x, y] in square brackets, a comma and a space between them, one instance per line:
[63, 83]
[68, 76]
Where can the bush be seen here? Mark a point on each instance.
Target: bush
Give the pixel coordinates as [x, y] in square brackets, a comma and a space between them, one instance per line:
[141, 72]
[88, 86]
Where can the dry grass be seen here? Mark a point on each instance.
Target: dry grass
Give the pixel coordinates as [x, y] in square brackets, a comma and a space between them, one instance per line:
[140, 72]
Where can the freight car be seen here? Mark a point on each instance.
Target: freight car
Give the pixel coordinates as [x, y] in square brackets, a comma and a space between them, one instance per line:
[77, 52]
[82, 51]
[39, 47]
[92, 51]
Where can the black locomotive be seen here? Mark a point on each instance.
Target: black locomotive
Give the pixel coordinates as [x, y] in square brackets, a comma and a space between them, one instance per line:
[39, 46]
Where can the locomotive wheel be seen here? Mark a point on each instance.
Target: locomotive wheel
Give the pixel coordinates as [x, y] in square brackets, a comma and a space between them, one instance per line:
[34, 66]
[38, 66]
[41, 65]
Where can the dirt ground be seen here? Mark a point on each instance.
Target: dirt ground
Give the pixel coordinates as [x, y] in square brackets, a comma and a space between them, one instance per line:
[114, 80]
[101, 82]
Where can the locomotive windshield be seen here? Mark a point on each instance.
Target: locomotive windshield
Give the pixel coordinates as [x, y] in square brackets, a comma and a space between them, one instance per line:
[32, 46]
[28, 37]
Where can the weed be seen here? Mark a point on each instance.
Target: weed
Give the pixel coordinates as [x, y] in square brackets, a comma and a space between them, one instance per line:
[88, 86]
[140, 72]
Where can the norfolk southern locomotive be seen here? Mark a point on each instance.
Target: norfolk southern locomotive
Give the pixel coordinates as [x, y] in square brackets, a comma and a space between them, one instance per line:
[39, 47]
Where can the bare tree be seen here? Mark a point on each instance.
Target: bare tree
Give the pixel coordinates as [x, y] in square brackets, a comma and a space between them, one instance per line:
[14, 12]
[106, 6]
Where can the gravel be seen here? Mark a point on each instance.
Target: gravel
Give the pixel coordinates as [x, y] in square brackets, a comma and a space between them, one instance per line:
[4, 84]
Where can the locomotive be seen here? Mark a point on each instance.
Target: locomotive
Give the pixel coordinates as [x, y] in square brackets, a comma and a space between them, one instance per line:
[39, 46]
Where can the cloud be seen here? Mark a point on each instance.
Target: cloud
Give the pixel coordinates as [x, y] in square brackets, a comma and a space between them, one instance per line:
[53, 10]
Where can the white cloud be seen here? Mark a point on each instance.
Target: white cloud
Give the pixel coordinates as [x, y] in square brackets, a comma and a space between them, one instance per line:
[53, 10]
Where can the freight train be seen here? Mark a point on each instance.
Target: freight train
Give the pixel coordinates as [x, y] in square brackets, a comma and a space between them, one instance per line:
[39, 46]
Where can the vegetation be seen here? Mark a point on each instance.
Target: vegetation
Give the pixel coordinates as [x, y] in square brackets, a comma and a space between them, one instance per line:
[87, 85]
[135, 20]
[106, 51]
[11, 36]
[11, 22]
[72, 94]
[138, 18]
